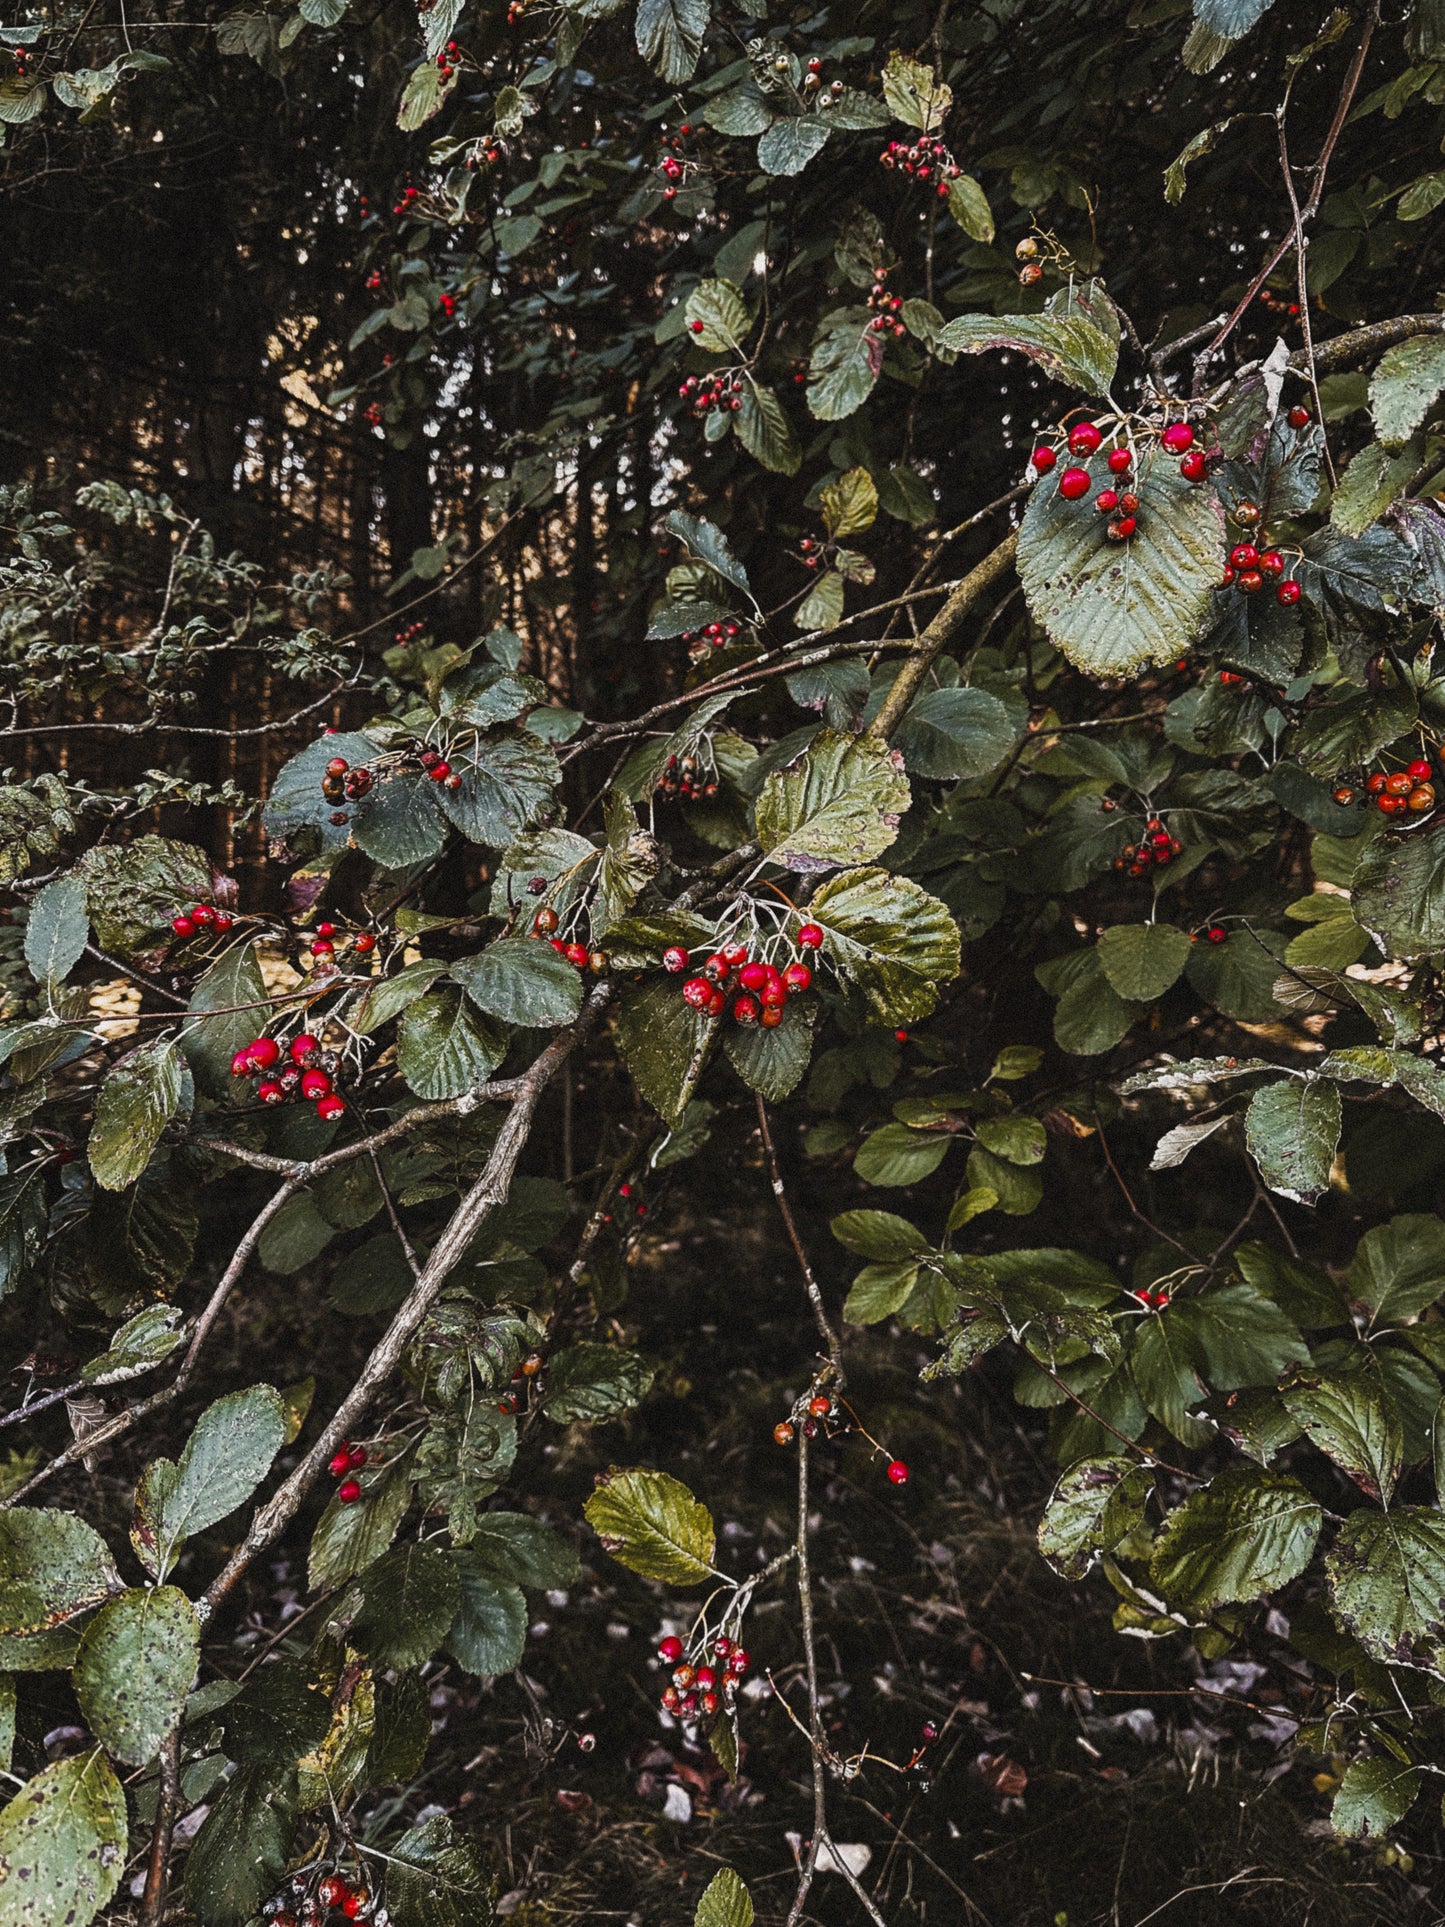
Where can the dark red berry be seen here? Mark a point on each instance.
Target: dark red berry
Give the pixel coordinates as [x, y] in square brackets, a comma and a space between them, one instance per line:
[897, 1472]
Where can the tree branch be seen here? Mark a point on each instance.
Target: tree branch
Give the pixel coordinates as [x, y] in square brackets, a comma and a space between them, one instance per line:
[941, 631]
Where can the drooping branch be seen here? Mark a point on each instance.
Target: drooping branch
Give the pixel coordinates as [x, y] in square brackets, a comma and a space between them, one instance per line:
[940, 632]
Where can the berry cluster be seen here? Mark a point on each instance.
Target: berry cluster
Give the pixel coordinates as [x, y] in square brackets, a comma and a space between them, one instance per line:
[372, 413]
[823, 1413]
[448, 305]
[685, 776]
[447, 60]
[1277, 305]
[889, 305]
[439, 769]
[409, 634]
[1403, 792]
[544, 924]
[408, 195]
[723, 389]
[1155, 1300]
[670, 167]
[1250, 567]
[1156, 847]
[200, 916]
[298, 1904]
[719, 634]
[759, 990]
[1116, 499]
[927, 160]
[341, 780]
[373, 281]
[704, 1682]
[813, 84]
[346, 1459]
[308, 1074]
[530, 1366]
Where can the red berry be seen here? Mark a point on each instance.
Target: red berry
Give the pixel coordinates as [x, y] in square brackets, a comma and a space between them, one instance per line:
[220, 921]
[356, 1903]
[1419, 769]
[1106, 501]
[439, 772]
[1299, 416]
[671, 1699]
[740, 1661]
[716, 967]
[774, 994]
[820, 1406]
[1074, 484]
[753, 976]
[315, 1084]
[696, 991]
[340, 1463]
[745, 1010]
[202, 915]
[326, 929]
[683, 1677]
[710, 1700]
[1043, 459]
[1084, 438]
[349, 1491]
[332, 1891]
[183, 926]
[706, 1679]
[1398, 784]
[898, 1472]
[810, 937]
[797, 976]
[1244, 555]
[1121, 528]
[1216, 935]
[1178, 437]
[695, 326]
[545, 922]
[722, 1646]
[1271, 563]
[1230, 572]
[263, 1053]
[772, 1016]
[330, 1107]
[1250, 580]
[1194, 468]
[716, 1001]
[303, 1047]
[1288, 593]
[577, 954]
[1121, 460]
[734, 953]
[670, 1650]
[901, 1036]
[241, 1065]
[364, 944]
[338, 766]
[270, 1092]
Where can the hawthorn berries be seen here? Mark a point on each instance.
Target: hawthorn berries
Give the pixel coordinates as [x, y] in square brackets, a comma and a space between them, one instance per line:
[698, 1689]
[1074, 484]
[1403, 792]
[897, 1472]
[200, 916]
[1299, 416]
[1157, 847]
[262, 1056]
[1043, 459]
[810, 937]
[1084, 439]
[1177, 438]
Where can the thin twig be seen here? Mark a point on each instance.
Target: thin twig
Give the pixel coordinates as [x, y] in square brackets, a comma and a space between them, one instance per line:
[800, 1250]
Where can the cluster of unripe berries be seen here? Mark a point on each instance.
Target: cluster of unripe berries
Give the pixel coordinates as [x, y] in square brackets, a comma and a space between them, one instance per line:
[447, 60]
[684, 776]
[759, 990]
[927, 159]
[544, 924]
[823, 1414]
[1156, 846]
[813, 83]
[346, 1460]
[705, 393]
[700, 1691]
[340, 782]
[200, 916]
[886, 320]
[1250, 567]
[298, 1906]
[1403, 792]
[1277, 305]
[307, 1075]
[719, 634]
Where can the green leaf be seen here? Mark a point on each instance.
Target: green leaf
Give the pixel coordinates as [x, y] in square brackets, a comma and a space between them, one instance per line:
[144, 1340]
[412, 1594]
[239, 1855]
[708, 543]
[20, 100]
[22, 1224]
[490, 1629]
[890, 937]
[1114, 607]
[1374, 1796]
[725, 1903]
[766, 433]
[1398, 895]
[234, 989]
[1291, 1130]
[53, 1566]
[57, 929]
[63, 1841]
[348, 1538]
[521, 980]
[523, 1551]
[391, 995]
[789, 144]
[1017, 1140]
[911, 90]
[850, 504]
[1406, 385]
[1399, 1268]
[839, 802]
[1141, 960]
[444, 1049]
[664, 1043]
[653, 1525]
[398, 823]
[1095, 1504]
[968, 204]
[136, 1662]
[955, 733]
[508, 776]
[822, 607]
[1246, 1534]
[278, 1717]
[775, 1061]
[423, 95]
[136, 1102]
[225, 1459]
[670, 36]
[1068, 348]
[1371, 482]
[880, 1235]
[299, 1232]
[895, 1155]
[1352, 1420]
[847, 360]
[880, 1290]
[1421, 197]
[1386, 1577]
[726, 323]
[592, 1382]
[434, 1878]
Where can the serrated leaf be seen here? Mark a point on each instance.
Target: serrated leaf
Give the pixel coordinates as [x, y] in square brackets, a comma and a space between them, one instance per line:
[1096, 1503]
[1351, 1419]
[670, 36]
[296, 808]
[239, 1855]
[235, 991]
[840, 802]
[63, 1841]
[1371, 482]
[1398, 895]
[708, 543]
[137, 1101]
[720, 307]
[822, 607]
[663, 1042]
[489, 1631]
[955, 734]
[1291, 1130]
[146, 1339]
[894, 1155]
[968, 204]
[508, 776]
[1069, 348]
[53, 1566]
[1386, 1577]
[773, 1062]
[348, 1538]
[1113, 607]
[847, 360]
[879, 1235]
[1142, 960]
[225, 1459]
[911, 90]
[1405, 386]
[893, 939]
[422, 97]
[57, 929]
[136, 1662]
[850, 504]
[411, 1598]
[521, 980]
[444, 1048]
[766, 433]
[1399, 1268]
[789, 144]
[591, 1382]
[1245, 1535]
[434, 1878]
[398, 823]
[1374, 1796]
[1230, 19]
[879, 1291]
[725, 1903]
[653, 1525]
